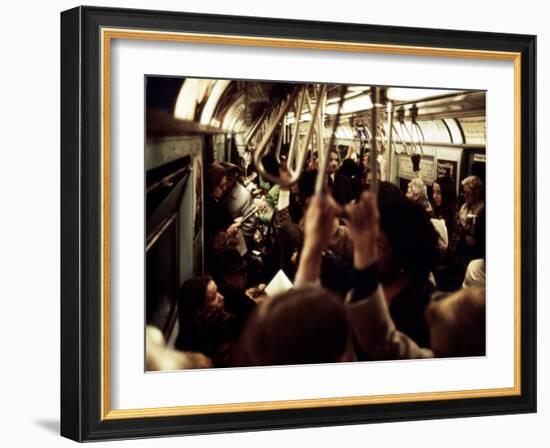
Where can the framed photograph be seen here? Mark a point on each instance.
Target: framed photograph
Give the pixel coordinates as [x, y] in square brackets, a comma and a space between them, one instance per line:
[275, 223]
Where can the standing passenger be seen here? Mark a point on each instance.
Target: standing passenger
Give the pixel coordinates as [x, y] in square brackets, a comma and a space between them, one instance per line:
[466, 244]
[444, 202]
[338, 185]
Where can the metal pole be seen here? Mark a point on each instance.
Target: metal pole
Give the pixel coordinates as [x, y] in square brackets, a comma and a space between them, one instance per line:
[320, 181]
[389, 110]
[294, 144]
[374, 149]
[323, 92]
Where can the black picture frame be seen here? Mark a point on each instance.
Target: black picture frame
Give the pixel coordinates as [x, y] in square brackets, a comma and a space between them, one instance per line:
[82, 409]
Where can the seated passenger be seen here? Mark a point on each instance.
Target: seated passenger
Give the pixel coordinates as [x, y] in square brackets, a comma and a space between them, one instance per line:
[204, 324]
[238, 202]
[216, 217]
[306, 324]
[219, 229]
[230, 274]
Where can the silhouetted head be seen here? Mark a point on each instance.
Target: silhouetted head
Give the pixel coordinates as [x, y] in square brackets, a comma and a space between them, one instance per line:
[457, 323]
[215, 181]
[301, 326]
[408, 241]
[472, 188]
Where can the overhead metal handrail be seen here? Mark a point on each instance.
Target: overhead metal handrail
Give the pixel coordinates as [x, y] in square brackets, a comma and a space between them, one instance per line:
[263, 147]
[297, 152]
[279, 142]
[256, 125]
[302, 154]
[314, 119]
[317, 119]
[322, 99]
[294, 145]
[296, 163]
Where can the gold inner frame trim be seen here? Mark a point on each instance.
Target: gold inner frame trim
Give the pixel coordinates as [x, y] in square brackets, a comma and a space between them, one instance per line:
[107, 34]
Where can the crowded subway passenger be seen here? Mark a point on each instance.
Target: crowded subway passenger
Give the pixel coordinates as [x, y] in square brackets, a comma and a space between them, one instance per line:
[305, 223]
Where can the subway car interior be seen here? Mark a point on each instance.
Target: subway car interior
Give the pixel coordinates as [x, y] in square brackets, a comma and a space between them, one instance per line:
[278, 213]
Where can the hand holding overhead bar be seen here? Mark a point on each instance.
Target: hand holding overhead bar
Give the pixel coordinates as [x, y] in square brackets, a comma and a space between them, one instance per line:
[297, 153]
[263, 148]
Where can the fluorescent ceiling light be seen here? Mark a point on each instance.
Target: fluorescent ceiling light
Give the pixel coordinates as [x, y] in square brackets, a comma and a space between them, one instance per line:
[356, 104]
[402, 94]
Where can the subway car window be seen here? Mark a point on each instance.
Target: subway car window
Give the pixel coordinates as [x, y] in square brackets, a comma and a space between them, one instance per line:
[302, 223]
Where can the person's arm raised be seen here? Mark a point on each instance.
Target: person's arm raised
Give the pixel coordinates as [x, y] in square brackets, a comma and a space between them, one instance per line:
[363, 230]
[318, 228]
[374, 329]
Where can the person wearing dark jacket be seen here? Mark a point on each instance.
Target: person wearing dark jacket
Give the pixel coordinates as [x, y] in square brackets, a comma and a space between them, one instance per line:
[230, 274]
[204, 324]
[339, 185]
[219, 229]
[456, 323]
[216, 217]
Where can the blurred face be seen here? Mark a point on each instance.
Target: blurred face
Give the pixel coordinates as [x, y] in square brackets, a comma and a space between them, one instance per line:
[365, 161]
[385, 265]
[333, 162]
[314, 163]
[283, 173]
[236, 280]
[219, 189]
[410, 192]
[470, 196]
[213, 299]
[436, 194]
[229, 183]
[368, 180]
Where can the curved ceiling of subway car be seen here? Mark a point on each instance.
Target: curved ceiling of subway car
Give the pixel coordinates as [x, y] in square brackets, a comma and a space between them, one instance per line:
[444, 116]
